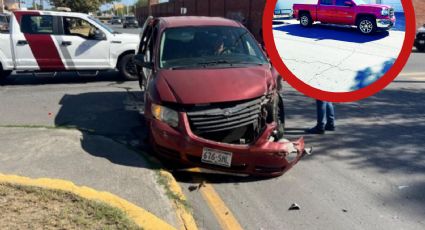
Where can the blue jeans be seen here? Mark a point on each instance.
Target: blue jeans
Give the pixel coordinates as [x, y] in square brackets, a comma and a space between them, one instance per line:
[325, 114]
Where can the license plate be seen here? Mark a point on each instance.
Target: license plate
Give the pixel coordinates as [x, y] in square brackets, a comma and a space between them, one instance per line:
[216, 157]
[421, 42]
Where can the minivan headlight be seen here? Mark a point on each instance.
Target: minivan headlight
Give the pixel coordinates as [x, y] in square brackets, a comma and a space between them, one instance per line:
[165, 115]
[385, 12]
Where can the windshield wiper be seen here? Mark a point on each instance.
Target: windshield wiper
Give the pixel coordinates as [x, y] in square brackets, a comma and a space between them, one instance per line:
[218, 62]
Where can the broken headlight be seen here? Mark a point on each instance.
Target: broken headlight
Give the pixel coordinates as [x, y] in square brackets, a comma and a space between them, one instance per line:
[165, 115]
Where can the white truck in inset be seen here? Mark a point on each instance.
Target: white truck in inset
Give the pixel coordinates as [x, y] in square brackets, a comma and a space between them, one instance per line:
[44, 41]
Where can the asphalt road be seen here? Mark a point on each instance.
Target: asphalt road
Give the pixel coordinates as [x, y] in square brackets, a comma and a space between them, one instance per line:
[369, 174]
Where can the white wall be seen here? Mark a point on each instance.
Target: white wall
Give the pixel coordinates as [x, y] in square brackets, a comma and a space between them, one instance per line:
[287, 4]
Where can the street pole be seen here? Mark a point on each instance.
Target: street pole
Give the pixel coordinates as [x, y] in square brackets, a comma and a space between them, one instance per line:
[2, 6]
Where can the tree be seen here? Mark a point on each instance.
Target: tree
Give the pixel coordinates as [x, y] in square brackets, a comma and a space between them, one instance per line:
[142, 2]
[84, 6]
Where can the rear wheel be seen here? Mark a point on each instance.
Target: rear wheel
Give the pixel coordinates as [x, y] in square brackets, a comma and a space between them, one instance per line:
[306, 20]
[127, 68]
[366, 25]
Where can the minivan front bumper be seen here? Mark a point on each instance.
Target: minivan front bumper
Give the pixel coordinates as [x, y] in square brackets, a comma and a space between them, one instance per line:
[262, 158]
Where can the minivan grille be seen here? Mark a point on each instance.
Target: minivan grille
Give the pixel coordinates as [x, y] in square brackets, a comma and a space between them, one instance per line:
[231, 120]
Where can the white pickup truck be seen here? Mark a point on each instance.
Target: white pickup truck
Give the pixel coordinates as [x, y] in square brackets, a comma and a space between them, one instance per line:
[44, 41]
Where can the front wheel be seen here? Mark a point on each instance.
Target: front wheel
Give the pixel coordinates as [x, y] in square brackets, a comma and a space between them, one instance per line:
[366, 25]
[127, 68]
[306, 20]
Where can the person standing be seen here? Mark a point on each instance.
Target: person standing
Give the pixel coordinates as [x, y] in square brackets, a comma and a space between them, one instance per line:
[325, 118]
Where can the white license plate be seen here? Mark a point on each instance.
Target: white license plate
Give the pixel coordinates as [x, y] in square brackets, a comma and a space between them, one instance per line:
[216, 157]
[421, 41]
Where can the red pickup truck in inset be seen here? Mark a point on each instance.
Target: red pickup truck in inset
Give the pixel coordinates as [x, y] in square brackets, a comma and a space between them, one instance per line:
[367, 17]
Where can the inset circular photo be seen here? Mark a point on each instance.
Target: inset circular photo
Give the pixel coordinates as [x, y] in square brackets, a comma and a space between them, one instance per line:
[337, 46]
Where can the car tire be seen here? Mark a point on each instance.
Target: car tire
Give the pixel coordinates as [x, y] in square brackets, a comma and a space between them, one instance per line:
[127, 68]
[125, 27]
[276, 113]
[306, 20]
[366, 25]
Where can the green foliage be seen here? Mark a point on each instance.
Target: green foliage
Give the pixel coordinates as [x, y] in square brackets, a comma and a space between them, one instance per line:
[84, 6]
[142, 2]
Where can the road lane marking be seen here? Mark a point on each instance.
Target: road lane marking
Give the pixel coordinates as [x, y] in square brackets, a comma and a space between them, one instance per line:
[141, 217]
[223, 214]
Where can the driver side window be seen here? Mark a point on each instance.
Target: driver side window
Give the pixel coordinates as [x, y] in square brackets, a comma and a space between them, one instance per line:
[78, 27]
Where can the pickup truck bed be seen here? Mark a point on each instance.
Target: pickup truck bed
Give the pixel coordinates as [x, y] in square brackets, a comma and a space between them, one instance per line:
[367, 17]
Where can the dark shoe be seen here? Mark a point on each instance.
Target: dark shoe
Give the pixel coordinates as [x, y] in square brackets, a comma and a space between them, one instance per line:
[330, 128]
[315, 130]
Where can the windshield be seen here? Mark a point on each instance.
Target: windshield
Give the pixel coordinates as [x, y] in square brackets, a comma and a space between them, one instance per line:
[98, 22]
[189, 47]
[130, 18]
[3, 19]
[359, 2]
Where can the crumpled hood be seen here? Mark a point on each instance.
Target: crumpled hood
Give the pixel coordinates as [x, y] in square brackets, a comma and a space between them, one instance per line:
[203, 86]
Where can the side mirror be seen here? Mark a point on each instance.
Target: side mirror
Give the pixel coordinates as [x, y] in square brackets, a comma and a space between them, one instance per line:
[348, 3]
[99, 35]
[139, 60]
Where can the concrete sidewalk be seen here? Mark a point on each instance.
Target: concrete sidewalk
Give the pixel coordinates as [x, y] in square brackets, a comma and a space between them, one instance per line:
[86, 160]
[336, 58]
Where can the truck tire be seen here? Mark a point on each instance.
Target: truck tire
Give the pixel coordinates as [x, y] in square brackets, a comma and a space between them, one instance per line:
[306, 20]
[366, 25]
[127, 68]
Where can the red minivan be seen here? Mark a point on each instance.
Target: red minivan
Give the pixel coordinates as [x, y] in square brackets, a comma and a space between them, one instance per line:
[212, 98]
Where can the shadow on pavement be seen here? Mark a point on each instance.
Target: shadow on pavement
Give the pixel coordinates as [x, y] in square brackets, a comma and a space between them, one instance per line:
[60, 78]
[384, 132]
[368, 76]
[330, 32]
[114, 115]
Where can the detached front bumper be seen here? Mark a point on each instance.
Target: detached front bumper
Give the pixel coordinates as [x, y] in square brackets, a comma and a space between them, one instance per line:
[385, 23]
[262, 158]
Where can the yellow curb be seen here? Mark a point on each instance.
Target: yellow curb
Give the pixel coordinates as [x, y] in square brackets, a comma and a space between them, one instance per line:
[188, 222]
[141, 217]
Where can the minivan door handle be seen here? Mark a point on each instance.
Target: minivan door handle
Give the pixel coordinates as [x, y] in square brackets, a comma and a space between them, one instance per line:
[22, 43]
[64, 43]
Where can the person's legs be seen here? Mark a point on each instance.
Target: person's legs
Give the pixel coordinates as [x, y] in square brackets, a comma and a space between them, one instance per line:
[321, 113]
[330, 117]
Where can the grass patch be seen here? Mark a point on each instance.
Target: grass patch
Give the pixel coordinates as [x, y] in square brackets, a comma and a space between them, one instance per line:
[26, 207]
[164, 181]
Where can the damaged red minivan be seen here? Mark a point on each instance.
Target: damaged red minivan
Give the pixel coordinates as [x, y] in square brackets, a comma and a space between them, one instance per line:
[212, 98]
